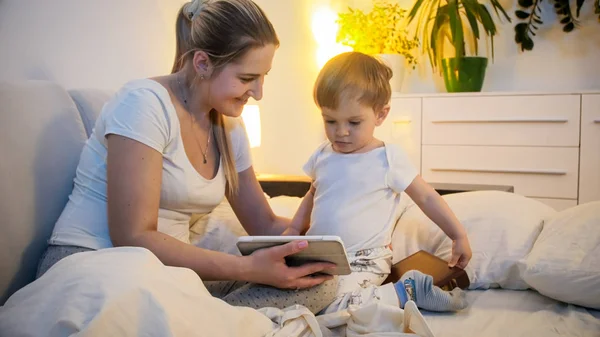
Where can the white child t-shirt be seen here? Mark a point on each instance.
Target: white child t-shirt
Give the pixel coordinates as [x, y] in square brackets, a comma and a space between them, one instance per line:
[142, 110]
[357, 194]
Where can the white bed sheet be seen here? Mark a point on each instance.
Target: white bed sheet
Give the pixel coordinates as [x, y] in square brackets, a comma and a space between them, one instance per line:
[496, 312]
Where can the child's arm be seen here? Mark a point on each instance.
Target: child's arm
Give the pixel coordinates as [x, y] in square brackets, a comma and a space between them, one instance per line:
[301, 221]
[434, 206]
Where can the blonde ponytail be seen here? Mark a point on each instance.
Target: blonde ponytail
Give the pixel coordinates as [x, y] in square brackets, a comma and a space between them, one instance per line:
[221, 129]
[182, 39]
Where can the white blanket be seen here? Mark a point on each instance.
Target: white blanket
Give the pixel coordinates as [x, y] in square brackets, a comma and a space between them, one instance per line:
[129, 292]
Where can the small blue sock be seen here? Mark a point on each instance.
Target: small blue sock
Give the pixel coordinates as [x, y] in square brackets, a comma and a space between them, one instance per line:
[419, 288]
[402, 293]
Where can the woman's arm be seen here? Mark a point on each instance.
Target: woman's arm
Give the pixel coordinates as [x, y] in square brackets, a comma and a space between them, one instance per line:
[253, 210]
[436, 208]
[134, 173]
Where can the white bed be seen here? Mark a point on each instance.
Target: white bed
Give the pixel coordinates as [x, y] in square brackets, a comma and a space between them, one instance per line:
[503, 229]
[526, 313]
[518, 245]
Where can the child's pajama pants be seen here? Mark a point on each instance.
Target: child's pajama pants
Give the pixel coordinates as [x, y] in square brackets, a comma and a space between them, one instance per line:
[370, 267]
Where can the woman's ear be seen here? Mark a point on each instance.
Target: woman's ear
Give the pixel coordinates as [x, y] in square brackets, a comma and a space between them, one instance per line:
[381, 114]
[201, 63]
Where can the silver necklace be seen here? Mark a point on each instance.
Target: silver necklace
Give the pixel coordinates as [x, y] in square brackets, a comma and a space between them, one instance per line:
[204, 153]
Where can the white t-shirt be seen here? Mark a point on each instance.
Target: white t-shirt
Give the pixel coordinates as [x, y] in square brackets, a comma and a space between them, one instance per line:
[357, 193]
[142, 110]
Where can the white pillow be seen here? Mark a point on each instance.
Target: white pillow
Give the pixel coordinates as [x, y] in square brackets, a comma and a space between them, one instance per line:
[501, 227]
[285, 206]
[218, 230]
[564, 263]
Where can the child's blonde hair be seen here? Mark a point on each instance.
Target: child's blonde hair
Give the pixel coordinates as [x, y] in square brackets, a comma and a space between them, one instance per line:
[353, 75]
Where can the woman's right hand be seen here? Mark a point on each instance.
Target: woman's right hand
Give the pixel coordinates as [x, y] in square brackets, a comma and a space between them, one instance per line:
[267, 266]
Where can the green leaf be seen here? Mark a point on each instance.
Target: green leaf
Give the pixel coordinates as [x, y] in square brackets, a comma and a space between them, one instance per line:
[521, 28]
[525, 3]
[488, 25]
[414, 10]
[442, 35]
[527, 44]
[456, 28]
[436, 50]
[522, 14]
[538, 21]
[521, 32]
[496, 4]
[486, 21]
[563, 8]
[473, 23]
[472, 12]
[426, 18]
[579, 4]
[522, 37]
[569, 27]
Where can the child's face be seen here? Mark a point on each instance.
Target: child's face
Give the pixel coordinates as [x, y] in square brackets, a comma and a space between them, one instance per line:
[350, 127]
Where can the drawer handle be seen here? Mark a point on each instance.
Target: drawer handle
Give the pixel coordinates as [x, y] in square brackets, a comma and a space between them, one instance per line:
[504, 120]
[597, 121]
[514, 171]
[402, 121]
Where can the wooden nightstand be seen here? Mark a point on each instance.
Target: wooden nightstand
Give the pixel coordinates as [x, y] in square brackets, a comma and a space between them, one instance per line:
[280, 184]
[449, 188]
[297, 186]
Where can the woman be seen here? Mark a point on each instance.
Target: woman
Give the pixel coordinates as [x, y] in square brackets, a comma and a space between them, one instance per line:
[166, 148]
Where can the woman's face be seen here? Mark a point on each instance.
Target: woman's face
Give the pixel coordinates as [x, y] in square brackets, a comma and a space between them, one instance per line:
[230, 89]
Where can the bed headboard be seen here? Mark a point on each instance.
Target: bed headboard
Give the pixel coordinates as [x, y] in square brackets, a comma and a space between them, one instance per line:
[42, 131]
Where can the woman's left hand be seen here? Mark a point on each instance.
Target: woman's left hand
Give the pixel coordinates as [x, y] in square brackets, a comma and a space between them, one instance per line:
[461, 253]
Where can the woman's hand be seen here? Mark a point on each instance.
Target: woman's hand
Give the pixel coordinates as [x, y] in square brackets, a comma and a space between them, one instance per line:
[461, 253]
[267, 266]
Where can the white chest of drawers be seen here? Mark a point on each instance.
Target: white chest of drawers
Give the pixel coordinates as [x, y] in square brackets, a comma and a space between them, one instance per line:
[589, 170]
[545, 145]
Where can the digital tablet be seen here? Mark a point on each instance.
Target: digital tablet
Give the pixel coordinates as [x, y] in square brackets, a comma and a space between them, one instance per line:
[320, 249]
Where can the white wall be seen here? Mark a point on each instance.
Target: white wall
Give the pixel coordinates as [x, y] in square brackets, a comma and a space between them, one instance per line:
[86, 43]
[104, 43]
[291, 124]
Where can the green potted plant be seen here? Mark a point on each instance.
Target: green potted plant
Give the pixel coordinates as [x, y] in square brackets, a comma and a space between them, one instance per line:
[380, 32]
[460, 24]
[530, 15]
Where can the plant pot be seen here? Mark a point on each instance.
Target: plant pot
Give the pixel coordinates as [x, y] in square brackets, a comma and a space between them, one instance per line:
[464, 74]
[398, 64]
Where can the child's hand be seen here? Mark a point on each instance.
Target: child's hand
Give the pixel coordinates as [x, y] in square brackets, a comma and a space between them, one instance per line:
[461, 253]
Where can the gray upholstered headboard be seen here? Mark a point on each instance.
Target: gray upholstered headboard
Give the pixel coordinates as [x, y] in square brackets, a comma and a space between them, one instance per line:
[41, 137]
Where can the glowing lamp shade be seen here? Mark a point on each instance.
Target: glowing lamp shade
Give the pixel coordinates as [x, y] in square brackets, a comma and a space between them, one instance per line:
[251, 117]
[324, 29]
